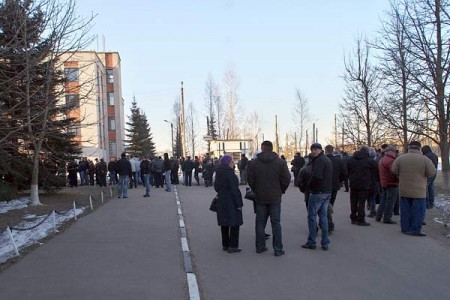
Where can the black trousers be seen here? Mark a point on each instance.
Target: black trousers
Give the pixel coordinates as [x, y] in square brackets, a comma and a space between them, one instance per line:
[188, 178]
[230, 236]
[357, 202]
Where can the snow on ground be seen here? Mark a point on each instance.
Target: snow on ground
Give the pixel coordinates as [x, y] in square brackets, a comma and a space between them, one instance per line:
[29, 237]
[444, 204]
[14, 204]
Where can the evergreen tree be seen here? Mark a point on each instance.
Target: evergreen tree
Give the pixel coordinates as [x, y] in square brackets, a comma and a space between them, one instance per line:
[178, 151]
[139, 138]
[212, 128]
[33, 122]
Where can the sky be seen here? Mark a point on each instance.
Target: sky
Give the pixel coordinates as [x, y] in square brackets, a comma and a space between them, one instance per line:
[275, 48]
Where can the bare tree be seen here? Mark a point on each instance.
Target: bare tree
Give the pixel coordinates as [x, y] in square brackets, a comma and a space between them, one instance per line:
[401, 104]
[210, 95]
[301, 118]
[426, 24]
[192, 136]
[253, 130]
[231, 83]
[358, 110]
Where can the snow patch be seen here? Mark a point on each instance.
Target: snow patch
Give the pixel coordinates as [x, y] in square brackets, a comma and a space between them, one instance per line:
[32, 236]
[20, 203]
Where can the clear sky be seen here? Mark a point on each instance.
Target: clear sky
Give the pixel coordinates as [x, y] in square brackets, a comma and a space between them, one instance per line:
[275, 47]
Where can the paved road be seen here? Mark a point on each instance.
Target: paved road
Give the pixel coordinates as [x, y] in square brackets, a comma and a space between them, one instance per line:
[130, 249]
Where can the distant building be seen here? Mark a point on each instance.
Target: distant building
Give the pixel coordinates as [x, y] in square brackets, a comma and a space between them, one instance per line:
[234, 147]
[94, 82]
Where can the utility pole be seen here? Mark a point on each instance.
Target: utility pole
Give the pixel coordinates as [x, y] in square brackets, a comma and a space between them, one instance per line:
[183, 130]
[314, 133]
[306, 142]
[276, 148]
[335, 132]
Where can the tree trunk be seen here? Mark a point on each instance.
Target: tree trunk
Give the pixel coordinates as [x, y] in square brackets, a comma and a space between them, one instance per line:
[34, 195]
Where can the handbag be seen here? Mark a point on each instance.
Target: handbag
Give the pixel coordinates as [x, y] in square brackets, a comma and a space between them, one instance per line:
[213, 206]
[249, 194]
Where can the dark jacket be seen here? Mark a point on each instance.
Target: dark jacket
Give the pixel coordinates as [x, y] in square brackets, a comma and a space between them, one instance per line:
[112, 166]
[146, 167]
[269, 177]
[167, 164]
[157, 166]
[123, 167]
[303, 179]
[339, 171]
[243, 163]
[297, 164]
[360, 169]
[188, 165]
[432, 156]
[229, 197]
[321, 175]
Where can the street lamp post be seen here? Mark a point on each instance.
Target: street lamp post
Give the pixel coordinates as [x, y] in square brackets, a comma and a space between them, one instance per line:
[171, 130]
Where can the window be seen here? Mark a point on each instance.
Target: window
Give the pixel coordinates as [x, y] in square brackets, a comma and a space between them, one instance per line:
[110, 75]
[110, 98]
[112, 149]
[71, 74]
[75, 129]
[111, 123]
[73, 100]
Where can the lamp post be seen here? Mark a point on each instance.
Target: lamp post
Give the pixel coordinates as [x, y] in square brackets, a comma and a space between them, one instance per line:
[171, 130]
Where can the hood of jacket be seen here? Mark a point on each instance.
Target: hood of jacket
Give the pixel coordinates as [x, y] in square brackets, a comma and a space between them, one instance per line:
[267, 157]
[360, 155]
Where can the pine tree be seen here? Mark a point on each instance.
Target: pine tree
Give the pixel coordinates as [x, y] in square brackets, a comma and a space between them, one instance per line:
[31, 116]
[139, 137]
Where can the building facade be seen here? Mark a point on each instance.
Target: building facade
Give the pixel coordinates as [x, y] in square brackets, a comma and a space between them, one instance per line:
[93, 81]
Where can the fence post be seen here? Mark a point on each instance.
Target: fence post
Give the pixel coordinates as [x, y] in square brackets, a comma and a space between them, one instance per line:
[74, 210]
[102, 195]
[54, 221]
[90, 203]
[12, 241]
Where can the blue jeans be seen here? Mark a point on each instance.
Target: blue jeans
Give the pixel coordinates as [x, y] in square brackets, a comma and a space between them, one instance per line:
[263, 211]
[124, 181]
[412, 214]
[430, 191]
[147, 183]
[82, 177]
[318, 204]
[168, 180]
[388, 197]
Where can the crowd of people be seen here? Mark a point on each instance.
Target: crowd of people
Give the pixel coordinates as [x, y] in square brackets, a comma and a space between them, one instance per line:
[399, 183]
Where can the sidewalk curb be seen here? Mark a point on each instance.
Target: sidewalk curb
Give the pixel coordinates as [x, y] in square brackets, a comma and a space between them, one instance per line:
[194, 293]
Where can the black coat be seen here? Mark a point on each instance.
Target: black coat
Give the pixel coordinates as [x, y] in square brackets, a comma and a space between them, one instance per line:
[229, 197]
[339, 171]
[321, 175]
[123, 167]
[360, 171]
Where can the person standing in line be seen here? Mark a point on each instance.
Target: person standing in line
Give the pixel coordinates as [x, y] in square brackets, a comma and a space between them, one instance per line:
[374, 188]
[269, 178]
[320, 187]
[345, 158]
[188, 166]
[243, 163]
[175, 167]
[167, 172]
[82, 169]
[297, 164]
[426, 150]
[360, 168]
[146, 170]
[137, 178]
[413, 170]
[123, 168]
[339, 175]
[197, 170]
[112, 171]
[91, 173]
[102, 169]
[72, 169]
[158, 168]
[208, 170]
[389, 186]
[303, 177]
[229, 204]
[133, 172]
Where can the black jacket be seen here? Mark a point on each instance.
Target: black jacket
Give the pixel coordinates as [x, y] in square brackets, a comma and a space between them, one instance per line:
[433, 157]
[303, 179]
[360, 171]
[229, 197]
[297, 164]
[188, 165]
[269, 177]
[339, 171]
[123, 167]
[321, 175]
[146, 167]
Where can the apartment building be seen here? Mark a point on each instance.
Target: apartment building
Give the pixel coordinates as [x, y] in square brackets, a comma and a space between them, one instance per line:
[93, 83]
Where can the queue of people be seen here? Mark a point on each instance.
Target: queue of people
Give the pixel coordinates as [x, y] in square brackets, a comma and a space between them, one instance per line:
[386, 175]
